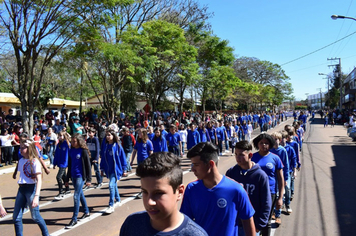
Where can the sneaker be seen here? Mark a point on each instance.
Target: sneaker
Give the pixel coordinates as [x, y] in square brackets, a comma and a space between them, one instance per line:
[86, 187]
[278, 220]
[289, 210]
[139, 196]
[72, 223]
[84, 216]
[99, 185]
[109, 210]
[67, 191]
[59, 196]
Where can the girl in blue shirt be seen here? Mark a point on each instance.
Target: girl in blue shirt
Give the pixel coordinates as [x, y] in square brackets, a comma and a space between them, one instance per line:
[113, 163]
[79, 170]
[143, 147]
[272, 165]
[61, 160]
[159, 142]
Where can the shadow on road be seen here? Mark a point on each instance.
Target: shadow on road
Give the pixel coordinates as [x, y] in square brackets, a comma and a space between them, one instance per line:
[344, 176]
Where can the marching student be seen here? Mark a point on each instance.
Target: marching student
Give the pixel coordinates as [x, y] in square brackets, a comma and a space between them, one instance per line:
[94, 148]
[161, 182]
[272, 165]
[113, 163]
[61, 160]
[255, 182]
[159, 142]
[79, 170]
[30, 183]
[214, 201]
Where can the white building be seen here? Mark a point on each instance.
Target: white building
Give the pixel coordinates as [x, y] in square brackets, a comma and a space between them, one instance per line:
[316, 101]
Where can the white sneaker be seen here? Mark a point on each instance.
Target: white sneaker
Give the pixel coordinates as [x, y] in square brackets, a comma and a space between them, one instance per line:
[109, 210]
[59, 197]
[289, 210]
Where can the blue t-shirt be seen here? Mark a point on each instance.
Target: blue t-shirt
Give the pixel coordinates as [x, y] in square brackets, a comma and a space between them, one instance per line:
[61, 155]
[151, 136]
[283, 155]
[269, 164]
[211, 132]
[173, 139]
[204, 136]
[217, 209]
[159, 145]
[143, 150]
[164, 133]
[139, 223]
[193, 138]
[77, 163]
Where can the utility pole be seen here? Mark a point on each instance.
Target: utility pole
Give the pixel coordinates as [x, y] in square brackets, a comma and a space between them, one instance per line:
[339, 74]
[321, 99]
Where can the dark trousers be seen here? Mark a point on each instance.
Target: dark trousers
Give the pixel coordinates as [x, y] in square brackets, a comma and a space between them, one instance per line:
[61, 178]
[266, 231]
[174, 149]
[7, 154]
[220, 145]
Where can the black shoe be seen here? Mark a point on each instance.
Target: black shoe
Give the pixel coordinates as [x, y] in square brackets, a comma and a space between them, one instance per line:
[1, 165]
[67, 191]
[72, 223]
[99, 185]
[84, 216]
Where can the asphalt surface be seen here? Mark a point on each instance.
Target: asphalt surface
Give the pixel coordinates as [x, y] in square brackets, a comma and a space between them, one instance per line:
[323, 203]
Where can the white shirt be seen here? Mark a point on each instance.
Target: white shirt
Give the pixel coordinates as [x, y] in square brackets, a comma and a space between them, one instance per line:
[183, 135]
[6, 140]
[26, 172]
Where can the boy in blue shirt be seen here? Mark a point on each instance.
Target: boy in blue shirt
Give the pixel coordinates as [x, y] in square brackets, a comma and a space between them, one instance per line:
[173, 141]
[162, 189]
[214, 201]
[255, 182]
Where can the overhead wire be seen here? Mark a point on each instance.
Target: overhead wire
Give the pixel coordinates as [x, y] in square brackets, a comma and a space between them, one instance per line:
[308, 54]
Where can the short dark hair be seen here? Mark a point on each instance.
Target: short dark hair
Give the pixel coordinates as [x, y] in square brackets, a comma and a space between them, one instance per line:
[206, 150]
[244, 145]
[162, 165]
[263, 136]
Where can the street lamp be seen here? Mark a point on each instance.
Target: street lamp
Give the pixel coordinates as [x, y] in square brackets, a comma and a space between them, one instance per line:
[335, 17]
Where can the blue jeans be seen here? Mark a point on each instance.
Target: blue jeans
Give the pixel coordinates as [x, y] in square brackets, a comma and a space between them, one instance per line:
[78, 197]
[128, 157]
[292, 185]
[114, 192]
[99, 179]
[50, 153]
[25, 195]
[241, 231]
[226, 144]
[183, 144]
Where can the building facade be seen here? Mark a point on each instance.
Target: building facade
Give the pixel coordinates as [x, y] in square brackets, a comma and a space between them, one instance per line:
[349, 91]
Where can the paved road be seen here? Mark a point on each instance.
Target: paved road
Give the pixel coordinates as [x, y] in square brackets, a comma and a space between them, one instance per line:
[325, 196]
[319, 207]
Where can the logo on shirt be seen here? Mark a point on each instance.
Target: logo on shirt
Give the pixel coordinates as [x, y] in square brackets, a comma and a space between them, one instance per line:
[144, 145]
[27, 170]
[78, 156]
[64, 148]
[269, 165]
[222, 202]
[110, 153]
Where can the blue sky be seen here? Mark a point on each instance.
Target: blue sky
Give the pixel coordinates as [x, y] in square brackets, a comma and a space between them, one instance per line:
[283, 30]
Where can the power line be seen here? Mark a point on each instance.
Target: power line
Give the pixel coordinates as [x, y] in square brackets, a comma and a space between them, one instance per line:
[318, 49]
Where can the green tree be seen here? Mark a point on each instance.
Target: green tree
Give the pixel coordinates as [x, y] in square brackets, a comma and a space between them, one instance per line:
[34, 29]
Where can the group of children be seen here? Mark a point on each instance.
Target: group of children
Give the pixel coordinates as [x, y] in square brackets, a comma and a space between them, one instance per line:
[268, 186]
